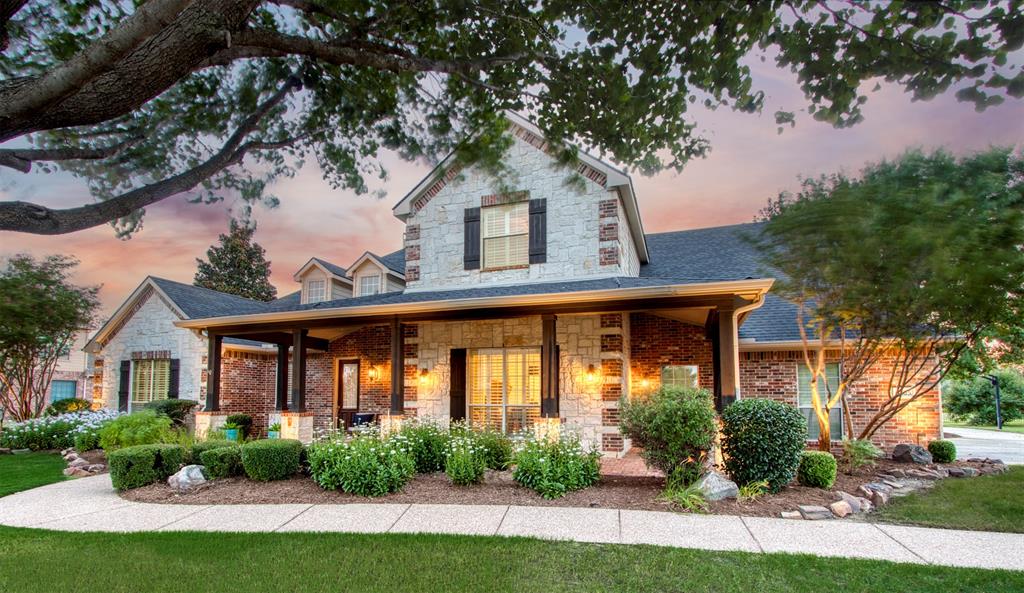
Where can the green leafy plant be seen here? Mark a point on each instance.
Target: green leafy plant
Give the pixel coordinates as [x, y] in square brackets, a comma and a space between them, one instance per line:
[942, 451]
[223, 462]
[275, 459]
[689, 498]
[817, 469]
[140, 465]
[495, 447]
[752, 491]
[428, 443]
[762, 440]
[554, 467]
[275, 427]
[140, 428]
[195, 452]
[87, 440]
[365, 465]
[465, 461]
[675, 428]
[858, 453]
[175, 409]
[71, 404]
[243, 422]
[974, 400]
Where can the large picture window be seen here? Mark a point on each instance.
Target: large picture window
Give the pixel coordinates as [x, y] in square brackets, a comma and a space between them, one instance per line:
[505, 231]
[151, 379]
[63, 390]
[835, 416]
[504, 388]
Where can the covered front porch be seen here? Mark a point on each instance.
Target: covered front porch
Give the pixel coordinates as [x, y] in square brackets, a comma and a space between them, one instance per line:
[514, 367]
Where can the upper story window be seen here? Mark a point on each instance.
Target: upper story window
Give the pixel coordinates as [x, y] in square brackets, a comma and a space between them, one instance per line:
[316, 291]
[368, 285]
[505, 232]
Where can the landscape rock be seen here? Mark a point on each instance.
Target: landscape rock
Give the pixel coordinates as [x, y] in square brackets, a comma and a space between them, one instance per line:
[865, 505]
[955, 472]
[841, 508]
[924, 474]
[187, 478]
[893, 484]
[791, 515]
[79, 462]
[20, 451]
[962, 472]
[897, 473]
[851, 500]
[910, 453]
[96, 468]
[66, 451]
[715, 486]
[70, 456]
[814, 512]
[5, 451]
[75, 472]
[879, 498]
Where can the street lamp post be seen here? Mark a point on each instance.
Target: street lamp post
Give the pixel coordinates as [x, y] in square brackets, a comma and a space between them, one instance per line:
[994, 380]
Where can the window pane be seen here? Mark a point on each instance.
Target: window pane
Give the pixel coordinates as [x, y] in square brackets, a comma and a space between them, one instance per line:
[835, 421]
[505, 232]
[142, 378]
[63, 390]
[504, 388]
[679, 375]
[316, 291]
[804, 383]
[369, 285]
[350, 386]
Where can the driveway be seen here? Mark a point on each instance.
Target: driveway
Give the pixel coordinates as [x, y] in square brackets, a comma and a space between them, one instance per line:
[974, 442]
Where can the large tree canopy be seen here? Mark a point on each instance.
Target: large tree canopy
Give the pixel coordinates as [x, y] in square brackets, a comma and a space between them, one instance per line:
[153, 99]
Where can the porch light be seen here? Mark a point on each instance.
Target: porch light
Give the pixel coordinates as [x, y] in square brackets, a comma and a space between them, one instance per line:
[373, 374]
[591, 375]
[424, 376]
[645, 384]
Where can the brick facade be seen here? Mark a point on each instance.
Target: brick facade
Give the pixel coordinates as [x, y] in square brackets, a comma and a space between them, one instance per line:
[248, 385]
[658, 341]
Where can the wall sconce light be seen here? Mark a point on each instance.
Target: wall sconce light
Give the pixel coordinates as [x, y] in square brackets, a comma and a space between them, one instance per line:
[424, 376]
[373, 374]
[591, 375]
[645, 384]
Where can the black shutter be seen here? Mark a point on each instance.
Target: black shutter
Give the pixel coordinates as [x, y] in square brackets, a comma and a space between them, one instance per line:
[538, 230]
[172, 382]
[457, 390]
[122, 387]
[471, 254]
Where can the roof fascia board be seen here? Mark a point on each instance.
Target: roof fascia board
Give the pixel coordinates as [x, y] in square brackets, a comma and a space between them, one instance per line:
[314, 262]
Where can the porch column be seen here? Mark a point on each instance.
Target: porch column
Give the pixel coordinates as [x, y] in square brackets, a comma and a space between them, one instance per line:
[397, 368]
[548, 368]
[299, 370]
[214, 343]
[281, 403]
[728, 355]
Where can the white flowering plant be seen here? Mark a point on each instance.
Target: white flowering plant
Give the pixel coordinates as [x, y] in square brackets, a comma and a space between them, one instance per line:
[465, 460]
[366, 465]
[54, 432]
[554, 467]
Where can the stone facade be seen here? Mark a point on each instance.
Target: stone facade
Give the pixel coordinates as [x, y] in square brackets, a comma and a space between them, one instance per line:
[573, 240]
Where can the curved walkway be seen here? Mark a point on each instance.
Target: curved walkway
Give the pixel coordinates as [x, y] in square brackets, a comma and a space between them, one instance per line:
[90, 504]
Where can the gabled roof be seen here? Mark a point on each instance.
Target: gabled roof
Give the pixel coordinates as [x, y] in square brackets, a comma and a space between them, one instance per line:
[714, 253]
[370, 256]
[395, 261]
[335, 271]
[596, 169]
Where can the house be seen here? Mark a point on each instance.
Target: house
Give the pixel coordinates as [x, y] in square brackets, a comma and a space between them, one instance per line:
[536, 308]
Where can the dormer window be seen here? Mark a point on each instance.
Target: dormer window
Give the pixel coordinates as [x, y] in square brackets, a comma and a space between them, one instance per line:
[369, 285]
[316, 291]
[505, 232]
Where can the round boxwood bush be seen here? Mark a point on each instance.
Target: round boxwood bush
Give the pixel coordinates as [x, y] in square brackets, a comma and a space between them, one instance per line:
[195, 452]
[762, 440]
[817, 469]
[676, 429]
[271, 459]
[222, 462]
[942, 451]
[133, 467]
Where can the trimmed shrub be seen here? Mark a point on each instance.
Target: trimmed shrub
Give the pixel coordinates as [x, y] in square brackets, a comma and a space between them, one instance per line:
[65, 406]
[140, 428]
[465, 461]
[974, 400]
[242, 421]
[554, 467]
[428, 444]
[222, 462]
[271, 459]
[175, 409]
[133, 467]
[195, 452]
[942, 451]
[857, 454]
[676, 429]
[817, 469]
[365, 465]
[762, 440]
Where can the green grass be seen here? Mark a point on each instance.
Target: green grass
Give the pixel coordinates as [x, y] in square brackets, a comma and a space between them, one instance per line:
[1015, 426]
[987, 503]
[29, 470]
[313, 563]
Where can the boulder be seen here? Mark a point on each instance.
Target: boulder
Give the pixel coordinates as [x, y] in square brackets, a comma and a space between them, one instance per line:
[79, 462]
[66, 451]
[851, 500]
[924, 474]
[879, 498]
[814, 512]
[841, 508]
[187, 478]
[75, 472]
[955, 472]
[893, 484]
[5, 451]
[865, 505]
[962, 472]
[791, 515]
[20, 451]
[70, 456]
[96, 468]
[715, 486]
[910, 453]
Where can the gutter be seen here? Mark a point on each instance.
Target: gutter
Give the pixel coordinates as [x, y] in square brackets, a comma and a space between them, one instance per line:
[753, 289]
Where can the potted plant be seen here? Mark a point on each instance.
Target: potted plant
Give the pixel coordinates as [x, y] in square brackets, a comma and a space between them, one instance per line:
[230, 431]
[274, 432]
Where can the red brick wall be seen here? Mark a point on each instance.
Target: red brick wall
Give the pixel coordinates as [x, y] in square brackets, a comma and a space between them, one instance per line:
[774, 375]
[658, 341]
[248, 385]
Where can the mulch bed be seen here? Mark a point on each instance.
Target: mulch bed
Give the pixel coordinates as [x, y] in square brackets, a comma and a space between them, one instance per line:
[618, 492]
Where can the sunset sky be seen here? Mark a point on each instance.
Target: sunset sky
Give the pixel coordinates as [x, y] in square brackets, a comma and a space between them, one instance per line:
[749, 163]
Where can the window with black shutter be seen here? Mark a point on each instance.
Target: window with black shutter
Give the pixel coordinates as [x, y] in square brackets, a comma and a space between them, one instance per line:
[538, 231]
[471, 251]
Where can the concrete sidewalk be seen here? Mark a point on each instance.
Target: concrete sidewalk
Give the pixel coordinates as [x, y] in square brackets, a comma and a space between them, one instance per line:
[90, 504]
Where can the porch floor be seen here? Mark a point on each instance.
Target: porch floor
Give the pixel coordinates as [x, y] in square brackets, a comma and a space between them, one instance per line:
[631, 465]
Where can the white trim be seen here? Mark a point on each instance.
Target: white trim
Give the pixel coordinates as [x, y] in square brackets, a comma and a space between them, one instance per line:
[367, 256]
[316, 262]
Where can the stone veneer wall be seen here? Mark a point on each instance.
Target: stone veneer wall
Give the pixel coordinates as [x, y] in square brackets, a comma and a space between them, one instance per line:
[434, 235]
[774, 375]
[150, 329]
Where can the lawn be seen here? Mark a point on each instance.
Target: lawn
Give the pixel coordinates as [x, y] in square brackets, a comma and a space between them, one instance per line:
[28, 470]
[988, 503]
[1014, 426]
[198, 563]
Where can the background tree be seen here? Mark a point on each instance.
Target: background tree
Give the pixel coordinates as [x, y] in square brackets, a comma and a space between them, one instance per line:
[974, 400]
[148, 100]
[40, 312]
[917, 262]
[237, 266]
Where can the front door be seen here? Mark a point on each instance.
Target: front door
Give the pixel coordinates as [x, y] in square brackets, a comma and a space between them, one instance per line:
[347, 398]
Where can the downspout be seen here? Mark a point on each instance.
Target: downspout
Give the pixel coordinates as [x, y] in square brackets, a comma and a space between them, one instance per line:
[756, 304]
